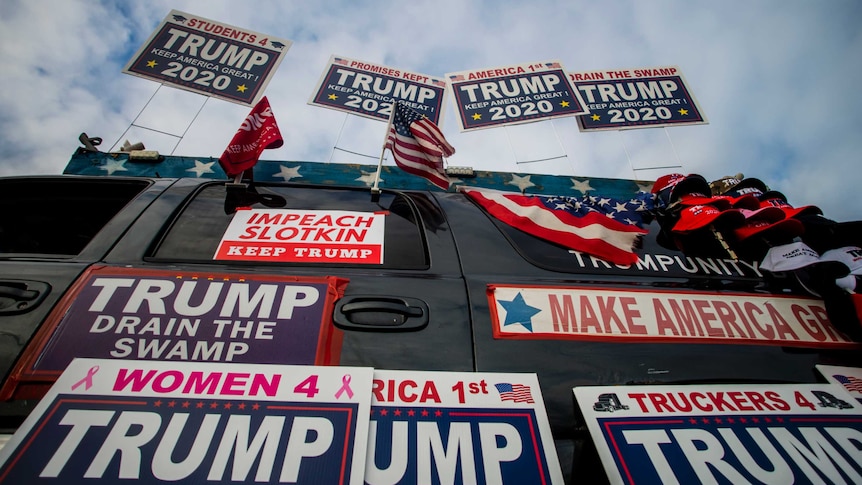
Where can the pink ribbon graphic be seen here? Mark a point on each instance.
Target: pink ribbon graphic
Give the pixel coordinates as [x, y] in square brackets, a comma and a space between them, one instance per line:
[87, 381]
[345, 387]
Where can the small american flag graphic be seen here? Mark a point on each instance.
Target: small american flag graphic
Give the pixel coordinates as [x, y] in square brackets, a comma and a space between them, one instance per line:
[849, 382]
[514, 392]
[457, 77]
[341, 61]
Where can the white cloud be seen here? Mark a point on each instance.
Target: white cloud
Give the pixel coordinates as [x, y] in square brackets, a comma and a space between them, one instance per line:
[778, 81]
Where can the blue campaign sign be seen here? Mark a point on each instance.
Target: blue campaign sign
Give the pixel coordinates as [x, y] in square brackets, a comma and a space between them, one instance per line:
[636, 98]
[137, 314]
[792, 433]
[369, 90]
[155, 422]
[209, 57]
[408, 447]
[514, 94]
[435, 428]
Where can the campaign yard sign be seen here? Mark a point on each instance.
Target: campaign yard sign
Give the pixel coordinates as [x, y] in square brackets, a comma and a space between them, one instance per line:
[133, 313]
[304, 236]
[647, 97]
[634, 315]
[369, 90]
[210, 58]
[108, 421]
[781, 433]
[850, 378]
[520, 93]
[434, 428]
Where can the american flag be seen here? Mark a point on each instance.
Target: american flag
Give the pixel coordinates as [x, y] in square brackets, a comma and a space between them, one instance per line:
[849, 382]
[341, 61]
[601, 226]
[417, 145]
[457, 77]
[514, 392]
[439, 83]
[553, 65]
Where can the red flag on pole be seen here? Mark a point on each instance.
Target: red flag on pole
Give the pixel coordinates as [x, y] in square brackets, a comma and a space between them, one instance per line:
[258, 132]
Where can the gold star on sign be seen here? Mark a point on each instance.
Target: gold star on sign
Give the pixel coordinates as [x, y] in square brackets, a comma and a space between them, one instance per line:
[596, 117]
[333, 96]
[564, 104]
[477, 116]
[151, 64]
[683, 111]
[241, 88]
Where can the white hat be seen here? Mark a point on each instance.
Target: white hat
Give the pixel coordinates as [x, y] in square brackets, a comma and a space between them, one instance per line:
[789, 257]
[851, 256]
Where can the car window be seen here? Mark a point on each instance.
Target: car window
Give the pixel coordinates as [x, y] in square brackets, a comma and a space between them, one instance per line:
[59, 217]
[195, 233]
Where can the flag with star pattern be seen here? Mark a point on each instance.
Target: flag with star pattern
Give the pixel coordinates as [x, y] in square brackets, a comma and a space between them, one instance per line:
[417, 145]
[257, 133]
[601, 226]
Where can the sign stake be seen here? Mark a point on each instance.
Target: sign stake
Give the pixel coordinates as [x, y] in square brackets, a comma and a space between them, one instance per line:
[375, 191]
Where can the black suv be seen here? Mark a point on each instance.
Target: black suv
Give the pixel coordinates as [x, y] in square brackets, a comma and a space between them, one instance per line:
[431, 304]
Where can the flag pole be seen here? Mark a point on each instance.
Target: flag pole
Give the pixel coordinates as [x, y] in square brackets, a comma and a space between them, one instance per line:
[375, 191]
[721, 240]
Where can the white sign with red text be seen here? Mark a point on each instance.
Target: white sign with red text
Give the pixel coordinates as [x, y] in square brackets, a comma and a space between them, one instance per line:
[110, 421]
[769, 433]
[626, 315]
[304, 236]
[459, 428]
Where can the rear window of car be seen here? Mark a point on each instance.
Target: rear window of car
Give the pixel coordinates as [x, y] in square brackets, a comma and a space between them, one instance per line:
[195, 233]
[59, 216]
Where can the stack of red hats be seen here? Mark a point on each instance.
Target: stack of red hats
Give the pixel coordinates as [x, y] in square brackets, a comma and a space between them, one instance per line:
[742, 212]
[767, 213]
[674, 190]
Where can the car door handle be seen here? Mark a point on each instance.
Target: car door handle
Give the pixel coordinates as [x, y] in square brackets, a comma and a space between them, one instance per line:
[375, 313]
[18, 296]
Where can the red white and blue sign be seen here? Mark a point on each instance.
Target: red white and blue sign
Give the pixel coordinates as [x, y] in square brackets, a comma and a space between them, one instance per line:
[210, 58]
[436, 428]
[521, 93]
[139, 314]
[780, 433]
[648, 97]
[369, 90]
[109, 421]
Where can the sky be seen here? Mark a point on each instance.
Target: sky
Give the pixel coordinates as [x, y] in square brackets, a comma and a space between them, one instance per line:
[778, 82]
